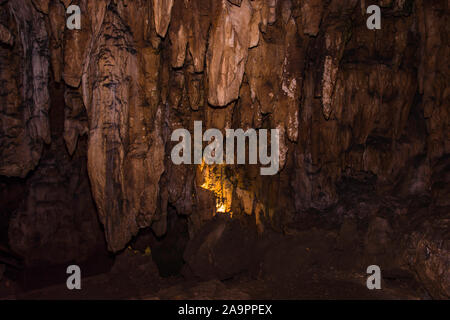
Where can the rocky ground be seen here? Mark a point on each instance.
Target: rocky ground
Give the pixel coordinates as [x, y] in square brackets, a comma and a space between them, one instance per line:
[141, 283]
[308, 261]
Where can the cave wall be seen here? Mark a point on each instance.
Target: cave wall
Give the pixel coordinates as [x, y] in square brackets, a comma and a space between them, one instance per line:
[350, 103]
[56, 222]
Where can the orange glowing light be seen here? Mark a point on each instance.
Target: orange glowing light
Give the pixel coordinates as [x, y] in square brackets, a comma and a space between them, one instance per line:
[215, 180]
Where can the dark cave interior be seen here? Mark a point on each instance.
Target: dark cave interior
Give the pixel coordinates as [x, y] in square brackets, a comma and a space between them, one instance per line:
[86, 177]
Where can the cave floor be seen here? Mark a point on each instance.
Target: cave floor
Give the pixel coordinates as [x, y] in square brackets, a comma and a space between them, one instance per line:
[314, 285]
[321, 273]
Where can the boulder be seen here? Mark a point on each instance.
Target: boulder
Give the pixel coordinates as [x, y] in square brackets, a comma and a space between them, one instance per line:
[223, 248]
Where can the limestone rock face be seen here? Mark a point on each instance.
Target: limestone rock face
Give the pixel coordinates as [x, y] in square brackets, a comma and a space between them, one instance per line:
[426, 252]
[162, 10]
[126, 150]
[57, 222]
[5, 36]
[57, 20]
[75, 120]
[228, 52]
[24, 101]
[351, 104]
[311, 15]
[78, 44]
[53, 220]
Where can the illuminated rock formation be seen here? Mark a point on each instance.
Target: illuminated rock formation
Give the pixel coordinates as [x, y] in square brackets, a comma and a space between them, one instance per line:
[351, 104]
